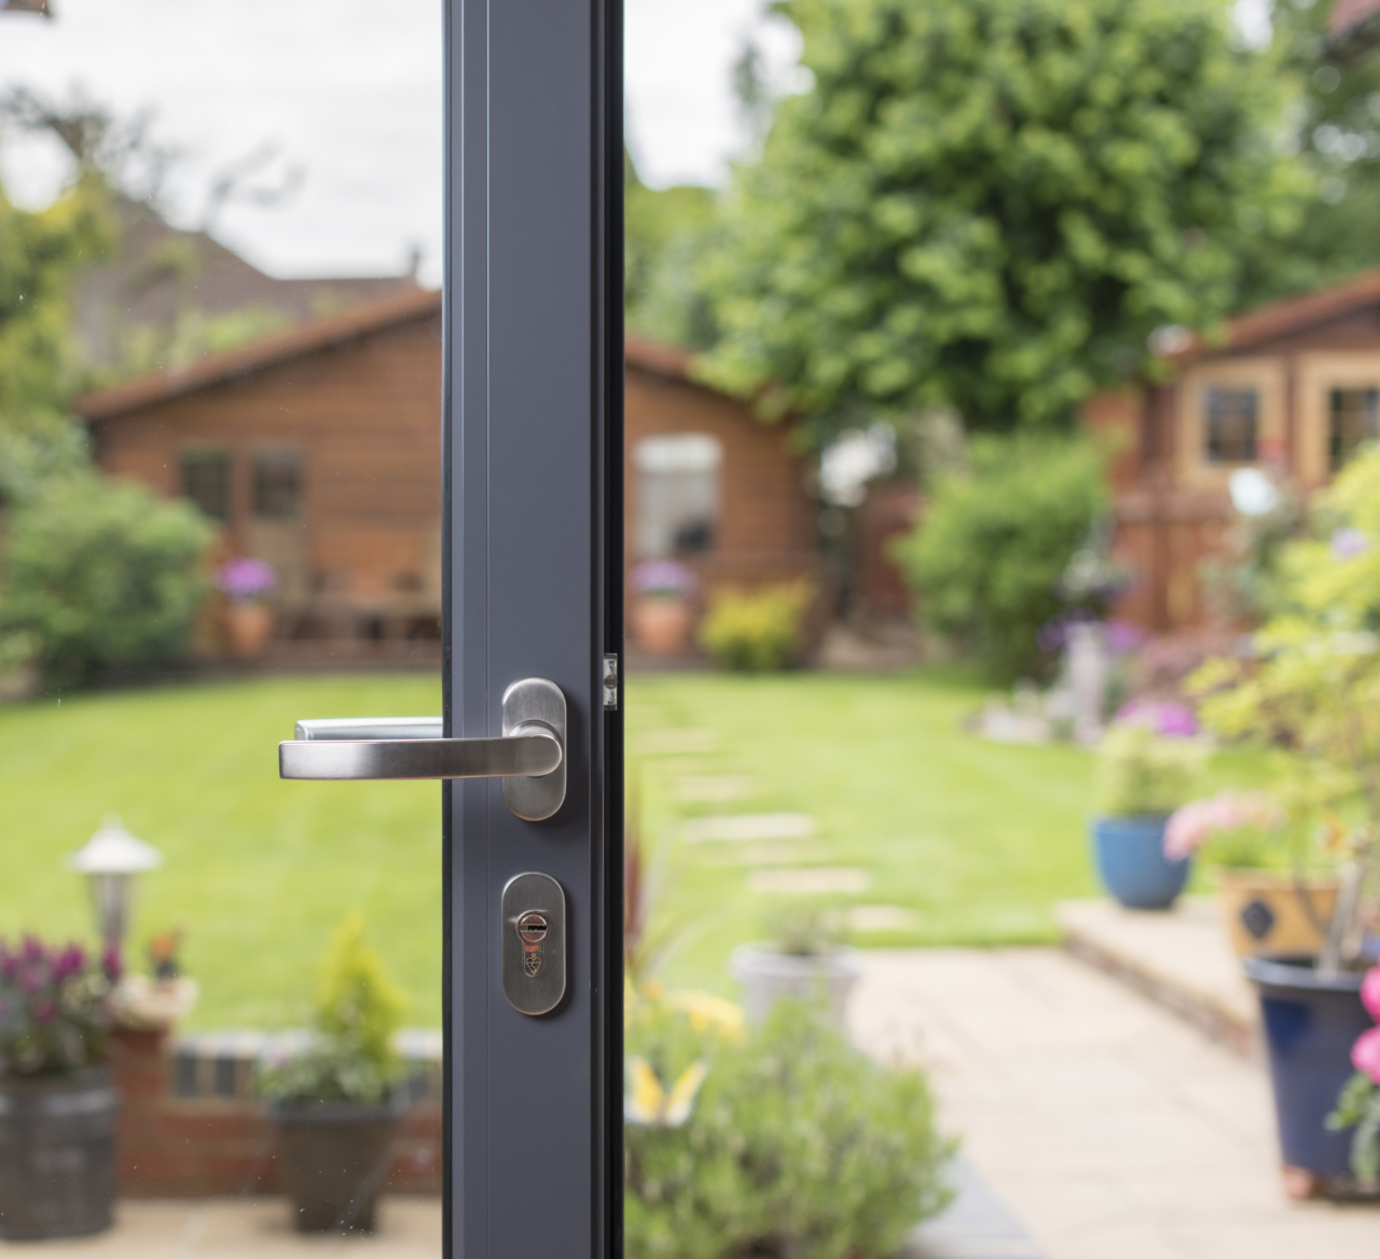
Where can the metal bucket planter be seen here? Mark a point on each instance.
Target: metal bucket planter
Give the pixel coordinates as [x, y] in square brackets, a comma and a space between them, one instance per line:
[334, 1159]
[767, 975]
[1129, 853]
[57, 1154]
[1309, 1024]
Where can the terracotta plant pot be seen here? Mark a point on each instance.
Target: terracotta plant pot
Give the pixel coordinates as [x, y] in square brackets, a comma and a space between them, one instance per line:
[248, 628]
[661, 627]
[1266, 911]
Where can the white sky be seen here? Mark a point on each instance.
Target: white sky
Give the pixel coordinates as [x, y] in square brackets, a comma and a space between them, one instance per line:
[353, 98]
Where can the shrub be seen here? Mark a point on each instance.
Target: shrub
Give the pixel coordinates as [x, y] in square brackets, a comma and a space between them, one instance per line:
[103, 573]
[797, 1144]
[987, 556]
[1143, 773]
[350, 1055]
[756, 631]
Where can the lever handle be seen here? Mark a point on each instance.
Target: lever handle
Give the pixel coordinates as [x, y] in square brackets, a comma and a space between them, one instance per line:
[529, 756]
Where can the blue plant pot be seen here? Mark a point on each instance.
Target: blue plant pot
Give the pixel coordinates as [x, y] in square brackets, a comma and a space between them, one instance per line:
[1310, 1024]
[1129, 852]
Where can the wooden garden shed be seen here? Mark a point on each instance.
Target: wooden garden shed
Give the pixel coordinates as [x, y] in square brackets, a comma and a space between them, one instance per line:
[318, 450]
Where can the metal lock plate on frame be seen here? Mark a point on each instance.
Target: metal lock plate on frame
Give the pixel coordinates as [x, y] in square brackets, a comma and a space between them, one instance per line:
[533, 950]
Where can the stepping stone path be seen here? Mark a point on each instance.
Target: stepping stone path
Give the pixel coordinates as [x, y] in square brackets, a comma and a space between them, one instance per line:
[810, 881]
[751, 827]
[707, 789]
[772, 854]
[865, 918]
[676, 742]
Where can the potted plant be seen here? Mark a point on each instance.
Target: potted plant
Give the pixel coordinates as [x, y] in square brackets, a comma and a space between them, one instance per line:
[662, 608]
[1265, 909]
[58, 1110]
[1309, 692]
[1145, 774]
[1358, 1107]
[805, 958]
[247, 584]
[333, 1098]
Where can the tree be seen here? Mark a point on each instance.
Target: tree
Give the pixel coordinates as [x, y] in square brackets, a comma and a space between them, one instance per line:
[991, 205]
[668, 233]
[39, 256]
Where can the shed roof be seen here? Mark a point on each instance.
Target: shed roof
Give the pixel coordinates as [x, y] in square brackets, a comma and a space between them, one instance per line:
[360, 321]
[1291, 315]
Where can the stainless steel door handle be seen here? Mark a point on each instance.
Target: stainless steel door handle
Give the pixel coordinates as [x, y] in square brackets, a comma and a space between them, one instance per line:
[529, 756]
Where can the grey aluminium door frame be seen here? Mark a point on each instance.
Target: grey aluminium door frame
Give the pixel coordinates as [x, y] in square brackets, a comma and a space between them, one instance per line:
[533, 553]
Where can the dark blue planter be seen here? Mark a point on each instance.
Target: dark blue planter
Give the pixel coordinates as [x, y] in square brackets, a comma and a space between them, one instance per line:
[1129, 852]
[1310, 1024]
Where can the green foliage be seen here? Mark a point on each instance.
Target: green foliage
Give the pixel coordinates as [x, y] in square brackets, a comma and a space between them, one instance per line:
[991, 204]
[39, 255]
[1313, 684]
[350, 1056]
[756, 631]
[797, 1144]
[668, 234]
[102, 573]
[1359, 1107]
[988, 552]
[1142, 773]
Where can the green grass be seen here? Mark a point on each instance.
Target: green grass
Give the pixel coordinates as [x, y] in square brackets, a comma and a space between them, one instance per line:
[259, 870]
[978, 841]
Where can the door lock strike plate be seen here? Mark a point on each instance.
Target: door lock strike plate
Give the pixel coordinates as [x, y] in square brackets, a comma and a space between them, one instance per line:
[610, 684]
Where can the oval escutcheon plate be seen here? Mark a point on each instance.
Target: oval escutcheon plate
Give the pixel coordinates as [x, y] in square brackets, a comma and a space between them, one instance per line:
[533, 949]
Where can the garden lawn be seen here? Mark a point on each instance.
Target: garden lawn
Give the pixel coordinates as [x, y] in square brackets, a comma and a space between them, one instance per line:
[972, 842]
[975, 841]
[259, 871]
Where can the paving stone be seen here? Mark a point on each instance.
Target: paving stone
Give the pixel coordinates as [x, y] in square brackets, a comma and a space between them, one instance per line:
[711, 789]
[1109, 1127]
[674, 742]
[867, 918]
[775, 853]
[750, 827]
[810, 881]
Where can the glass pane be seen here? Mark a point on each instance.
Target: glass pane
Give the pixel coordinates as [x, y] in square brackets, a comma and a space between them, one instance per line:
[1233, 417]
[1353, 417]
[222, 479]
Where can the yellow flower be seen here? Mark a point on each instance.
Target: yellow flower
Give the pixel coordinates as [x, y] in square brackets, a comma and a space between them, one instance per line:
[708, 1013]
[650, 1104]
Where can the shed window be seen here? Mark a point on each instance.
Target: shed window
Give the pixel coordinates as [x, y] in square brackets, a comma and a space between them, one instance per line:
[1353, 418]
[1231, 431]
[277, 485]
[677, 494]
[206, 481]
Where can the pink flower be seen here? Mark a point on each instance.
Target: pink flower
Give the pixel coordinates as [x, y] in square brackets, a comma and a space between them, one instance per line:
[1370, 992]
[1365, 1054]
[1192, 825]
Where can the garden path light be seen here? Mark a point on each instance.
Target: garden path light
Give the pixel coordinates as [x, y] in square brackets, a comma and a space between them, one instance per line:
[111, 859]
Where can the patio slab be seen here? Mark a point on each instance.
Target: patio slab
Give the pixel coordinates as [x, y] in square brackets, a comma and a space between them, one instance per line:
[1179, 958]
[1105, 1124]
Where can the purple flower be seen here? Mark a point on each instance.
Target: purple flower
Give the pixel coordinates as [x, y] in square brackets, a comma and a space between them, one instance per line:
[1123, 638]
[112, 965]
[662, 578]
[1165, 717]
[1349, 542]
[71, 961]
[246, 578]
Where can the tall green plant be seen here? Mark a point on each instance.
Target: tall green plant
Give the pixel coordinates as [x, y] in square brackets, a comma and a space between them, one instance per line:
[993, 542]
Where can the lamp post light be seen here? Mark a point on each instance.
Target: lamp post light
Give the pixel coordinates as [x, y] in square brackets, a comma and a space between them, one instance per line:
[111, 859]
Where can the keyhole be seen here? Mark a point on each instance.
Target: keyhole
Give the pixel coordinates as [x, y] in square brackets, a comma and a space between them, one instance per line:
[532, 927]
